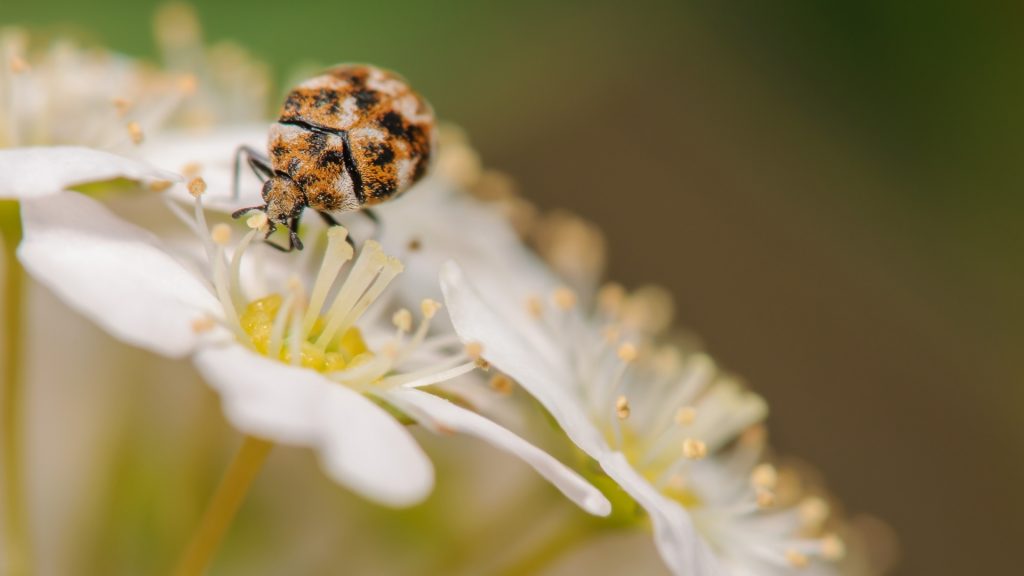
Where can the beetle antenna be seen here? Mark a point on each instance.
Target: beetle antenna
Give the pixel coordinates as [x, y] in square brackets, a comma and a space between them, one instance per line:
[239, 213]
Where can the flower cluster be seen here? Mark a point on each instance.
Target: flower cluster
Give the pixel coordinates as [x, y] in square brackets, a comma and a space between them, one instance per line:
[323, 348]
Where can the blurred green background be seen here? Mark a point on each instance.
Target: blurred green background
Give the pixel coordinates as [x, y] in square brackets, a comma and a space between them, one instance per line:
[831, 189]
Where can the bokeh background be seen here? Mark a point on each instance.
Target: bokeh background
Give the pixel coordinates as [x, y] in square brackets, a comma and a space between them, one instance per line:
[832, 190]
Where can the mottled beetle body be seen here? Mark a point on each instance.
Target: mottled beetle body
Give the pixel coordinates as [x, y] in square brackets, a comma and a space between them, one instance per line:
[350, 138]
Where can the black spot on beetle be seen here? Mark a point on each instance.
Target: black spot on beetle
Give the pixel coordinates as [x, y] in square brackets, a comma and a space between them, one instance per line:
[326, 98]
[293, 103]
[383, 188]
[365, 98]
[315, 142]
[333, 159]
[394, 124]
[381, 154]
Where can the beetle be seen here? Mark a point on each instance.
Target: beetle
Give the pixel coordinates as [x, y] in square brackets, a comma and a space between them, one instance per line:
[350, 138]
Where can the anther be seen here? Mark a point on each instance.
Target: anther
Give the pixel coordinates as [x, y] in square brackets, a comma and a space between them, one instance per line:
[221, 234]
[122, 105]
[796, 559]
[765, 498]
[627, 352]
[564, 298]
[258, 221]
[196, 187]
[188, 84]
[832, 547]
[754, 436]
[501, 384]
[622, 407]
[19, 65]
[159, 185]
[764, 476]
[203, 324]
[402, 320]
[135, 132]
[813, 512]
[686, 415]
[535, 306]
[694, 449]
[474, 350]
[429, 308]
[192, 169]
[414, 245]
[610, 298]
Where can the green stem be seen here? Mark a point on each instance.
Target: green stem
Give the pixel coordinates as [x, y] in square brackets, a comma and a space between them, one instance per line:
[225, 504]
[551, 550]
[18, 542]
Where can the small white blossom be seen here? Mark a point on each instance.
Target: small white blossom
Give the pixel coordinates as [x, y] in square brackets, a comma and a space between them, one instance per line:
[663, 425]
[293, 363]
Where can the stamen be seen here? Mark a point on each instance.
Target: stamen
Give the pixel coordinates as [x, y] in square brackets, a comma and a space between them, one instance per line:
[236, 259]
[188, 84]
[686, 415]
[402, 320]
[832, 547]
[627, 352]
[258, 221]
[535, 307]
[122, 105]
[221, 234]
[764, 476]
[813, 512]
[203, 324]
[475, 351]
[610, 298]
[622, 408]
[694, 449]
[429, 308]
[439, 372]
[159, 185]
[612, 333]
[564, 298]
[277, 330]
[502, 384]
[371, 273]
[765, 498]
[135, 133]
[19, 65]
[192, 170]
[338, 253]
[196, 187]
[796, 559]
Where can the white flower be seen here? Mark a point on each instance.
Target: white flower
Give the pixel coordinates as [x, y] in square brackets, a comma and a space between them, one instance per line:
[663, 425]
[291, 365]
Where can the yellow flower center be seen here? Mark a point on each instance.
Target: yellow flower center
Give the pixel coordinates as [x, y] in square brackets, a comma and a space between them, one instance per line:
[345, 350]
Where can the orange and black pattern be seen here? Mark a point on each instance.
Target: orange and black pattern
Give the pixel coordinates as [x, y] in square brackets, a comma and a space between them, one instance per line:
[352, 137]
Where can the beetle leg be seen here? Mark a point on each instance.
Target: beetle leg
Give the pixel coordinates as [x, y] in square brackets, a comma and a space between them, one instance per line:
[259, 163]
[328, 219]
[294, 242]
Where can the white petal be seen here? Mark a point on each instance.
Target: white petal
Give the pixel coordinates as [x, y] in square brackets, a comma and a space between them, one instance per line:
[38, 171]
[443, 416]
[213, 155]
[683, 550]
[449, 224]
[522, 353]
[360, 445]
[113, 272]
